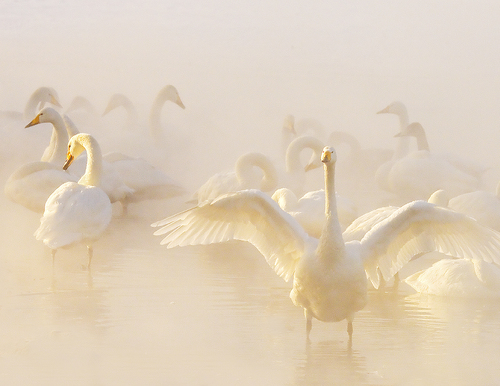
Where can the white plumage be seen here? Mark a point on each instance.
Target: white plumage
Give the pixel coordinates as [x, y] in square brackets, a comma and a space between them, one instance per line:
[329, 278]
[77, 212]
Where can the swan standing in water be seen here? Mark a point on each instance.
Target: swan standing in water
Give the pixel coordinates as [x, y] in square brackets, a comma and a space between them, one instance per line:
[243, 177]
[32, 183]
[329, 275]
[77, 212]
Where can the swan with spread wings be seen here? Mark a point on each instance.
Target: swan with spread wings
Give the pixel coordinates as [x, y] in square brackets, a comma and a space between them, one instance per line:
[330, 275]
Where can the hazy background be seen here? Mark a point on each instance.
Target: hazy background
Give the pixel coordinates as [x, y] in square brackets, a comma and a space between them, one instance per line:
[219, 315]
[240, 68]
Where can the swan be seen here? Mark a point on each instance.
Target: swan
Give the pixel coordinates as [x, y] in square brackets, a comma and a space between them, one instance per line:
[329, 275]
[64, 128]
[309, 210]
[243, 177]
[36, 101]
[77, 212]
[31, 184]
[422, 172]
[167, 93]
[288, 133]
[465, 278]
[84, 112]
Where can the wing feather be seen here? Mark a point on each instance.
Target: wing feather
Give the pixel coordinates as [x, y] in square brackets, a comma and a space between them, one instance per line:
[420, 227]
[247, 215]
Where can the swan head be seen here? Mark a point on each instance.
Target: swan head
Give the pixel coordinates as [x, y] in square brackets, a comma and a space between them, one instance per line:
[170, 93]
[75, 148]
[289, 125]
[47, 95]
[329, 155]
[47, 114]
[396, 107]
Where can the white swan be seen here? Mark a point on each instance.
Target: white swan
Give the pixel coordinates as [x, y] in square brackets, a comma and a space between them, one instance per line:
[32, 183]
[36, 102]
[329, 278]
[309, 210]
[243, 177]
[77, 212]
[167, 93]
[64, 128]
[465, 278]
[422, 172]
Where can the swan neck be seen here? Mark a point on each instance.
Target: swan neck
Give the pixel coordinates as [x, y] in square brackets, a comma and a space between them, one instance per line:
[403, 144]
[293, 163]
[340, 137]
[246, 175]
[93, 171]
[58, 141]
[331, 237]
[422, 143]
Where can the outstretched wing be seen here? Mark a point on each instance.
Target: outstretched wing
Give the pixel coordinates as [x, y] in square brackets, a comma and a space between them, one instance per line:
[420, 227]
[247, 215]
[364, 223]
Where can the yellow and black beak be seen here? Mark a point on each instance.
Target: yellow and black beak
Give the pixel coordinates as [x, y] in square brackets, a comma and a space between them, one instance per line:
[69, 160]
[34, 122]
[326, 156]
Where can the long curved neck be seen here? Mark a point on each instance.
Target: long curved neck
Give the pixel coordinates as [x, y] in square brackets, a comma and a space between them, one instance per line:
[331, 241]
[56, 151]
[293, 162]
[245, 174]
[403, 145]
[155, 116]
[422, 143]
[93, 171]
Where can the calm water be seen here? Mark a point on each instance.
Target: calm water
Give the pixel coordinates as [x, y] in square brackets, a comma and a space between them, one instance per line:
[214, 315]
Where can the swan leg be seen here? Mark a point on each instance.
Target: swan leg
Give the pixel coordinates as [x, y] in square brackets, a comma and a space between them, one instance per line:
[308, 322]
[90, 253]
[350, 318]
[53, 254]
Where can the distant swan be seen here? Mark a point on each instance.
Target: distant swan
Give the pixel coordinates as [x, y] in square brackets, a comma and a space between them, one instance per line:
[243, 177]
[167, 93]
[465, 278]
[36, 102]
[77, 212]
[120, 100]
[329, 277]
[422, 172]
[32, 183]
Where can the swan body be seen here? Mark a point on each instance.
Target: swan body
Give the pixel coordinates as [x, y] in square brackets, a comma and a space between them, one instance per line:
[32, 183]
[465, 278]
[77, 212]
[422, 172]
[243, 177]
[309, 210]
[329, 275]
[147, 182]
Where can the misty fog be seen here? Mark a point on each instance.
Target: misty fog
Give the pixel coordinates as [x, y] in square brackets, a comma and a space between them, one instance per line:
[240, 69]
